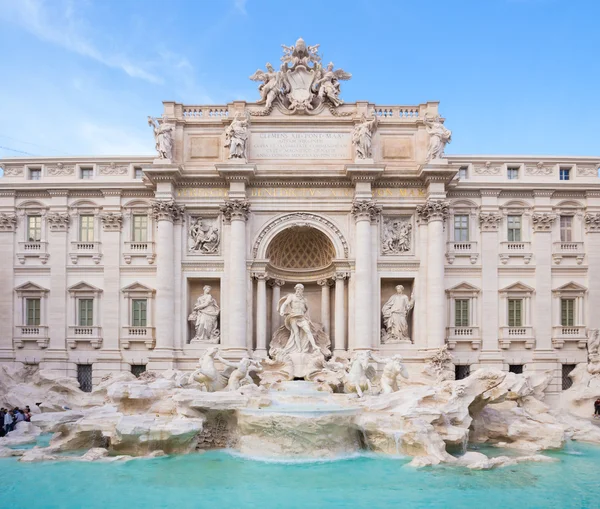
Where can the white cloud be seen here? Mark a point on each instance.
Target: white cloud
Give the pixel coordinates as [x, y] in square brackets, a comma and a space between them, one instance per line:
[63, 30]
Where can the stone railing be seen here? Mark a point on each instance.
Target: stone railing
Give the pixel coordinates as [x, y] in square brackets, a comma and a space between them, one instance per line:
[522, 334]
[572, 333]
[37, 333]
[515, 249]
[468, 334]
[204, 112]
[466, 248]
[562, 250]
[33, 249]
[82, 249]
[407, 113]
[138, 334]
[139, 249]
[89, 333]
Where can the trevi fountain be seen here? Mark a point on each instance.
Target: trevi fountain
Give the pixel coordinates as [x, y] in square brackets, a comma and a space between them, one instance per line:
[300, 421]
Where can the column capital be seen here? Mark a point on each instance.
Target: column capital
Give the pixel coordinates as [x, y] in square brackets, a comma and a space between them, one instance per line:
[365, 209]
[488, 221]
[235, 210]
[433, 210]
[8, 222]
[163, 210]
[542, 222]
[111, 221]
[58, 221]
[592, 222]
[260, 276]
[276, 282]
[323, 282]
[340, 276]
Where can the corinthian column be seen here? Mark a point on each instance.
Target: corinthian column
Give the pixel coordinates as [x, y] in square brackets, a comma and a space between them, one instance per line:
[276, 284]
[364, 211]
[435, 212]
[261, 314]
[325, 320]
[339, 343]
[165, 214]
[592, 238]
[236, 211]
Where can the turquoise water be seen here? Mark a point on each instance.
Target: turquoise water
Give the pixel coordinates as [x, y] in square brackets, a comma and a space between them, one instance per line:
[221, 480]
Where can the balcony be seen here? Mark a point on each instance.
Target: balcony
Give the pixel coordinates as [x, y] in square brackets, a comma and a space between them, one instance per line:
[31, 333]
[515, 250]
[562, 250]
[574, 333]
[33, 249]
[85, 249]
[510, 335]
[458, 335]
[131, 334]
[81, 333]
[139, 249]
[466, 248]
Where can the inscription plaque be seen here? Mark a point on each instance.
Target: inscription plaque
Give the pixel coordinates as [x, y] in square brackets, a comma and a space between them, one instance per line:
[300, 145]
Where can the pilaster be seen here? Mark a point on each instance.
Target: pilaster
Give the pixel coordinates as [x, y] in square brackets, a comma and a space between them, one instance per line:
[8, 223]
[592, 240]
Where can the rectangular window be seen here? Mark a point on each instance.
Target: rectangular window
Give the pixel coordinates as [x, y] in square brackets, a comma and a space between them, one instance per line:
[514, 228]
[34, 228]
[35, 173]
[86, 173]
[86, 228]
[140, 228]
[84, 377]
[515, 368]
[566, 379]
[565, 174]
[33, 311]
[515, 312]
[513, 172]
[566, 228]
[86, 312]
[461, 313]
[138, 312]
[463, 172]
[461, 371]
[138, 173]
[567, 312]
[138, 369]
[461, 228]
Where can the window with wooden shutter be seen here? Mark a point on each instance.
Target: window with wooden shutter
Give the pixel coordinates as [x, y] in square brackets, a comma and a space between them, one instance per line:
[515, 312]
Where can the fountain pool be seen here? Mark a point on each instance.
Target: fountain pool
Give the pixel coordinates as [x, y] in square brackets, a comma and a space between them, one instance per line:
[220, 479]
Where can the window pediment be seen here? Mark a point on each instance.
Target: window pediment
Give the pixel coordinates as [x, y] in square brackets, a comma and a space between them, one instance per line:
[30, 288]
[138, 289]
[518, 288]
[571, 287]
[83, 287]
[463, 289]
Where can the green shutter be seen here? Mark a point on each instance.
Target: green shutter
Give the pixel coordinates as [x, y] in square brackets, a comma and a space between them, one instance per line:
[33, 312]
[139, 313]
[515, 318]
[86, 313]
[567, 312]
[461, 313]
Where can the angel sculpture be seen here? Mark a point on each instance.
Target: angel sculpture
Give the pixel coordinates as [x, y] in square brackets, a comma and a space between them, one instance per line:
[328, 83]
[271, 86]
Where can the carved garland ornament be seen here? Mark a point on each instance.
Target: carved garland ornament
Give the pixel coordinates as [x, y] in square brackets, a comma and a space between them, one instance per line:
[368, 209]
[587, 171]
[60, 170]
[299, 219]
[592, 222]
[433, 210]
[167, 210]
[543, 222]
[8, 222]
[13, 171]
[58, 222]
[487, 169]
[112, 221]
[539, 170]
[235, 209]
[113, 169]
[489, 221]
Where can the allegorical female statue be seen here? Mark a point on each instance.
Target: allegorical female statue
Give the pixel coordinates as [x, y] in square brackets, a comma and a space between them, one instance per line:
[438, 137]
[236, 136]
[205, 317]
[298, 334]
[163, 137]
[362, 137]
[395, 312]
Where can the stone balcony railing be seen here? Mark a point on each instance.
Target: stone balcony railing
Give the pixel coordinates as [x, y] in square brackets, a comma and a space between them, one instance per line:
[138, 334]
[33, 249]
[510, 335]
[562, 250]
[82, 249]
[520, 249]
[139, 249]
[84, 333]
[456, 249]
[31, 333]
[468, 334]
[569, 333]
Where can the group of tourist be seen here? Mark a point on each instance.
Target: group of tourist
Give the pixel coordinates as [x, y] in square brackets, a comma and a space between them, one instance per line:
[10, 418]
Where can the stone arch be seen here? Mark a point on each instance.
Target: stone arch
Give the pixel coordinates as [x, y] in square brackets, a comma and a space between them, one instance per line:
[299, 219]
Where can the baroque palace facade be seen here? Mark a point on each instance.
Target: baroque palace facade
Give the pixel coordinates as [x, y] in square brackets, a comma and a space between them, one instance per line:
[133, 263]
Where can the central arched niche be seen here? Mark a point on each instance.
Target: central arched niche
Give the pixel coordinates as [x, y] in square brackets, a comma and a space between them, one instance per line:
[301, 248]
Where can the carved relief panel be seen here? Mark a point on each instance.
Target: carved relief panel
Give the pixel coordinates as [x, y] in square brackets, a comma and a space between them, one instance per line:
[204, 235]
[396, 235]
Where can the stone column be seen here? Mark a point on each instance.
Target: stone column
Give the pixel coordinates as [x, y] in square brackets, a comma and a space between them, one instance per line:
[340, 315]
[261, 314]
[542, 228]
[420, 308]
[325, 319]
[8, 226]
[592, 249]
[436, 212]
[364, 212]
[165, 214]
[276, 285]
[236, 211]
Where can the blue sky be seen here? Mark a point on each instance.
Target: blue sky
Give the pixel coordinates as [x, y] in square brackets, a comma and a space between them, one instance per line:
[513, 76]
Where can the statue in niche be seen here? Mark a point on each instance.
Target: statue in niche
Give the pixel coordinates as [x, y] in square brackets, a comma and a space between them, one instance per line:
[396, 236]
[205, 318]
[328, 83]
[163, 137]
[395, 313]
[362, 137]
[205, 237]
[438, 137]
[298, 334]
[236, 136]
